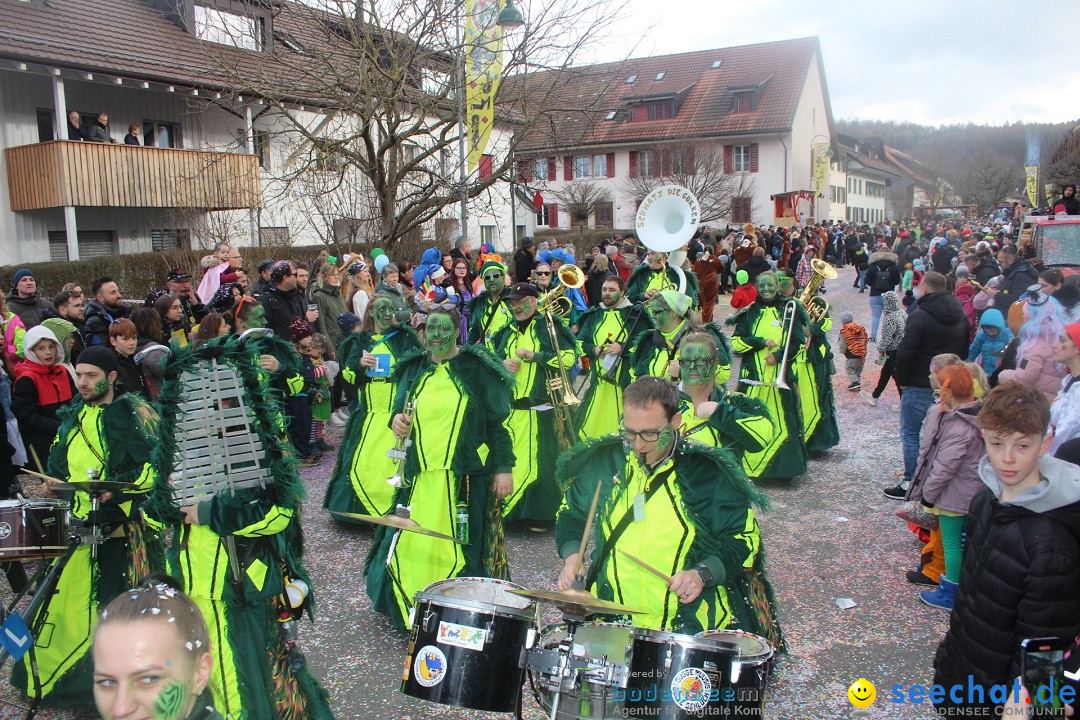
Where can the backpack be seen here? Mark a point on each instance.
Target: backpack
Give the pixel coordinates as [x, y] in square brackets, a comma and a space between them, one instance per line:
[882, 278]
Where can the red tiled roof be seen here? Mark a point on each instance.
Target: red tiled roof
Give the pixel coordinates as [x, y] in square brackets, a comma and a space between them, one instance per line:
[586, 95]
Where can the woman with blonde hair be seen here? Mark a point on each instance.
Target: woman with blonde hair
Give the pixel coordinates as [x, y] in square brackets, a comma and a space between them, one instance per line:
[599, 268]
[361, 288]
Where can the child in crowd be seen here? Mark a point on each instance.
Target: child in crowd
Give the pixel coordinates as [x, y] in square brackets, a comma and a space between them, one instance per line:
[351, 327]
[1021, 563]
[947, 476]
[124, 337]
[300, 402]
[325, 371]
[990, 341]
[979, 378]
[907, 279]
[854, 336]
[893, 321]
[42, 387]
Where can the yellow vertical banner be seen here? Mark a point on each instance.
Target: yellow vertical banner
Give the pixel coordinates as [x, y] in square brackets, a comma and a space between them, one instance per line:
[1031, 174]
[483, 73]
[1048, 188]
[821, 167]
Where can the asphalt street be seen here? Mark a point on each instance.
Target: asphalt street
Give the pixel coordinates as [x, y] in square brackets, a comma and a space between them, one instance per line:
[830, 534]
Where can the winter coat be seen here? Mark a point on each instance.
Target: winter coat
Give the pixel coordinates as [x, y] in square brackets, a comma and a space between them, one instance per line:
[38, 394]
[28, 309]
[1035, 366]
[14, 332]
[883, 274]
[100, 133]
[1019, 579]
[947, 475]
[893, 319]
[936, 326]
[986, 270]
[281, 308]
[942, 259]
[331, 304]
[524, 263]
[1065, 413]
[990, 347]
[754, 267]
[965, 293]
[1018, 278]
[98, 317]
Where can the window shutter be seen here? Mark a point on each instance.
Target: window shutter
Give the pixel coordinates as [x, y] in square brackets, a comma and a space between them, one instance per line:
[553, 215]
[665, 163]
[753, 157]
[551, 168]
[611, 165]
[641, 113]
[568, 167]
[484, 167]
[729, 158]
[688, 161]
[633, 163]
[525, 171]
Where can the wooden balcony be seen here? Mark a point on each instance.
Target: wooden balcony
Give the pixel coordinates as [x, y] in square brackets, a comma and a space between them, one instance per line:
[84, 174]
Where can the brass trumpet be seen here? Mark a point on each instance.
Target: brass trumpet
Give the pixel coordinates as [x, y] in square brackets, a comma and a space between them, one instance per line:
[555, 302]
[816, 306]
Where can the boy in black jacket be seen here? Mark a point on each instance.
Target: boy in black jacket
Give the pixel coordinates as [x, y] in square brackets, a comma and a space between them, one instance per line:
[1021, 573]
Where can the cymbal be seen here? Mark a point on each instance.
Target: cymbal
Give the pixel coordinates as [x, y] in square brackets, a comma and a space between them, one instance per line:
[399, 523]
[578, 602]
[95, 486]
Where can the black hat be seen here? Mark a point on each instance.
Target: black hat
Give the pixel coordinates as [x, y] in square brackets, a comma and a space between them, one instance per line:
[266, 264]
[527, 242]
[100, 356]
[522, 290]
[177, 275]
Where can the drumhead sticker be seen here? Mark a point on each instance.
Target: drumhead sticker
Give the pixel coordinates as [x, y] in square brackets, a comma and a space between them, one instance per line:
[461, 636]
[691, 689]
[5, 530]
[429, 669]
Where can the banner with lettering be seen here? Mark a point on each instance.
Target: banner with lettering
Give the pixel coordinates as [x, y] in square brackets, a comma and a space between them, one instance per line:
[821, 167]
[483, 73]
[1048, 188]
[1031, 174]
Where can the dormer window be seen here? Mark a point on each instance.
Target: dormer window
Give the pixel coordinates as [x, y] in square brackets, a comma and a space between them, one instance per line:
[228, 28]
[660, 75]
[744, 101]
[655, 110]
[631, 79]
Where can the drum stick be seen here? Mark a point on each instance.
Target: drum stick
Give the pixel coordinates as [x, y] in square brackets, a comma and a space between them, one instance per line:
[646, 566]
[40, 475]
[37, 460]
[580, 570]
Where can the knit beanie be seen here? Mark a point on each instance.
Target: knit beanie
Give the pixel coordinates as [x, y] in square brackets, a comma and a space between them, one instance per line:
[347, 321]
[846, 318]
[20, 274]
[299, 329]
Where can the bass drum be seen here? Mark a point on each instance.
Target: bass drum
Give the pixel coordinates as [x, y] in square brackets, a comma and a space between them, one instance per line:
[682, 676]
[468, 643]
[601, 653]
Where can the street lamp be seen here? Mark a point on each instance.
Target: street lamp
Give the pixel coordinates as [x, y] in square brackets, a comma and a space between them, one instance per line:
[509, 17]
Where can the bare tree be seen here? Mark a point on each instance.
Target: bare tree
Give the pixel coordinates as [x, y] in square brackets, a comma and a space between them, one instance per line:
[382, 78]
[986, 180]
[701, 169]
[581, 199]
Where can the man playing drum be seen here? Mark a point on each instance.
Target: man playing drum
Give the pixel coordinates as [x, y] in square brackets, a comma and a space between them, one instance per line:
[683, 508]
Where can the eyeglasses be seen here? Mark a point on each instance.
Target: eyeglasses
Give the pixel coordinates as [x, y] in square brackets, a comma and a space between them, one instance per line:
[493, 276]
[648, 436]
[697, 363]
[543, 273]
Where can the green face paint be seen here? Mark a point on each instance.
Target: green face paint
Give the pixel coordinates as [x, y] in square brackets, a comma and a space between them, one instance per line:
[494, 281]
[766, 287]
[170, 703]
[383, 310]
[697, 366]
[785, 285]
[101, 386]
[664, 440]
[440, 335]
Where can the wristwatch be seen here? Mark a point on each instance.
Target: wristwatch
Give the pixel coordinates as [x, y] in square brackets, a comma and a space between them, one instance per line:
[706, 576]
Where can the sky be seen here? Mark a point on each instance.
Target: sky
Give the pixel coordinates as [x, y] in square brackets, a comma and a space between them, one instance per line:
[934, 62]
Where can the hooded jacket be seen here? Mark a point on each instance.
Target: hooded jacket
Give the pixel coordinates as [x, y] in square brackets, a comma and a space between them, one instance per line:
[1019, 579]
[1018, 278]
[1035, 366]
[884, 273]
[947, 475]
[1069, 205]
[1065, 413]
[893, 319]
[990, 347]
[98, 317]
[28, 309]
[937, 326]
[754, 267]
[39, 392]
[985, 270]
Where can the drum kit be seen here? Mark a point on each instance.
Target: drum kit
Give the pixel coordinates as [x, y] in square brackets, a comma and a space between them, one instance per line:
[42, 529]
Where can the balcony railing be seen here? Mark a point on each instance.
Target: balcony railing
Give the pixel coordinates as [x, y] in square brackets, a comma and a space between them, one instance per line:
[85, 174]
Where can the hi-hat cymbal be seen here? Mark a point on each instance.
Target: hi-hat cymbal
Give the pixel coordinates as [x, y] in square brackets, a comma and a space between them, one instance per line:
[399, 523]
[578, 602]
[95, 486]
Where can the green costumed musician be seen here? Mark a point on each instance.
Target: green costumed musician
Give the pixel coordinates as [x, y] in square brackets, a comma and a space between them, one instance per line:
[684, 508]
[107, 438]
[456, 471]
[488, 313]
[608, 333]
[759, 337]
[711, 415]
[237, 551]
[814, 370]
[358, 482]
[275, 357]
[656, 274]
[673, 319]
[526, 351]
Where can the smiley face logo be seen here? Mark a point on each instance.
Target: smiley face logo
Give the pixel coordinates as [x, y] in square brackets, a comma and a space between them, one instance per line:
[862, 693]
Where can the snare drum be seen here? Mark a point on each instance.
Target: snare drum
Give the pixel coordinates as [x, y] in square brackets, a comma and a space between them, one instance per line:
[468, 644]
[601, 662]
[681, 676]
[32, 529]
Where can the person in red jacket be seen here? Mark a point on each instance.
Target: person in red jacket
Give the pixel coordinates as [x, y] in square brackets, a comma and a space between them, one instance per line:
[42, 386]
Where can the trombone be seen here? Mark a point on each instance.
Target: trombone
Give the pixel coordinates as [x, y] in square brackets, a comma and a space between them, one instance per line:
[555, 302]
[788, 324]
